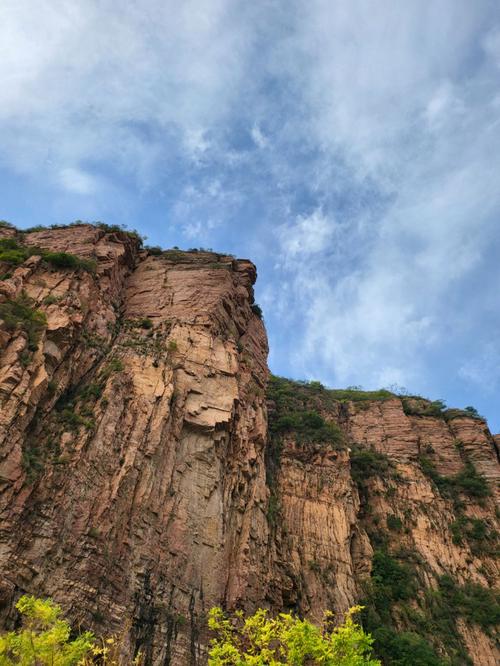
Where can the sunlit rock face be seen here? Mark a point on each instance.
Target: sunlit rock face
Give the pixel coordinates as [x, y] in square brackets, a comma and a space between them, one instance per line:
[139, 485]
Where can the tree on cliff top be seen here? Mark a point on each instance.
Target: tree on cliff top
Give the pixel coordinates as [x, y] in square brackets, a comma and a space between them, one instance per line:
[262, 641]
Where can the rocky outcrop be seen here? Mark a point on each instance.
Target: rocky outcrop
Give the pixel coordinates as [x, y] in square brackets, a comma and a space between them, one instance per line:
[132, 440]
[139, 485]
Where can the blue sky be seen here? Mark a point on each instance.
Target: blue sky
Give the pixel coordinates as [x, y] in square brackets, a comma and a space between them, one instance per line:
[350, 148]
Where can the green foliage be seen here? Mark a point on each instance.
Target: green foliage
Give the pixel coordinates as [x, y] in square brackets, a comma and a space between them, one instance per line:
[404, 649]
[155, 250]
[12, 252]
[6, 225]
[32, 463]
[257, 310]
[482, 539]
[19, 314]
[477, 604]
[394, 523]
[114, 365]
[416, 406]
[8, 243]
[355, 394]
[73, 421]
[468, 482]
[44, 638]
[393, 583]
[366, 463]
[471, 483]
[35, 228]
[308, 426]
[50, 300]
[66, 260]
[296, 409]
[119, 228]
[262, 641]
[175, 255]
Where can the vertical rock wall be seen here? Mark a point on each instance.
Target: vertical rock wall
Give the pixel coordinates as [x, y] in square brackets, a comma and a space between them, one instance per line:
[138, 486]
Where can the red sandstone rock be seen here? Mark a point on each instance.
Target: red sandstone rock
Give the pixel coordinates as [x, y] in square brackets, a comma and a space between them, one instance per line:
[132, 458]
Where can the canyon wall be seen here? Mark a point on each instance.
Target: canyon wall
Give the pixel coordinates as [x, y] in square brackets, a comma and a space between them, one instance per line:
[140, 484]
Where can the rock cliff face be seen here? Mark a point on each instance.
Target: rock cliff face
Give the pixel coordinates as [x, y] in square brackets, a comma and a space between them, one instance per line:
[139, 485]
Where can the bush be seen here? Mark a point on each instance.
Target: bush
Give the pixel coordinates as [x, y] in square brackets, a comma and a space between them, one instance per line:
[416, 406]
[393, 581]
[405, 649]
[257, 310]
[308, 426]
[468, 481]
[13, 257]
[260, 640]
[12, 252]
[19, 314]
[477, 604]
[366, 463]
[66, 260]
[154, 250]
[394, 523]
[44, 637]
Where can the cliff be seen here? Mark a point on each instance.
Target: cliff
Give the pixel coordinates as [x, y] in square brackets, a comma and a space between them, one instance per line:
[140, 483]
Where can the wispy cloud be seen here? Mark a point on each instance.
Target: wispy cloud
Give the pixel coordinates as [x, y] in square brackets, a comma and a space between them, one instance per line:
[353, 153]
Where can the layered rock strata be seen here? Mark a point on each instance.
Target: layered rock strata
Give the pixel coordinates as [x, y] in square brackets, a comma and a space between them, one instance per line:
[138, 483]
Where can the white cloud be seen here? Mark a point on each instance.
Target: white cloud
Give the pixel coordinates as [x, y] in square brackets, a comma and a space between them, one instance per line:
[308, 235]
[77, 181]
[131, 88]
[258, 137]
[384, 123]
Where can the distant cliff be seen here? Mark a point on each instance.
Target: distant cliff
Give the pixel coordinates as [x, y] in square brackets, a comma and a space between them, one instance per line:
[150, 468]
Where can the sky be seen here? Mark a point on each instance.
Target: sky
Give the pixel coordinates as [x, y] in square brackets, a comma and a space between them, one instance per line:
[350, 148]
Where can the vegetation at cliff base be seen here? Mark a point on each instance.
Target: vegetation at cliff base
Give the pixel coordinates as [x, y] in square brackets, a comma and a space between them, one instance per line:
[260, 640]
[46, 639]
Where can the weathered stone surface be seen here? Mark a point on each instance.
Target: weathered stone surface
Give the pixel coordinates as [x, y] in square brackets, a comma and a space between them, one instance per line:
[133, 480]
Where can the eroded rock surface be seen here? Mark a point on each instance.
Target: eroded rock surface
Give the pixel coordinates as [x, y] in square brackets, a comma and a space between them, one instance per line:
[139, 486]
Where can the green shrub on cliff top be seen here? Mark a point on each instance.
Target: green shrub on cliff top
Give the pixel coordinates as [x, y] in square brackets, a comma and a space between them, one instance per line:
[14, 253]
